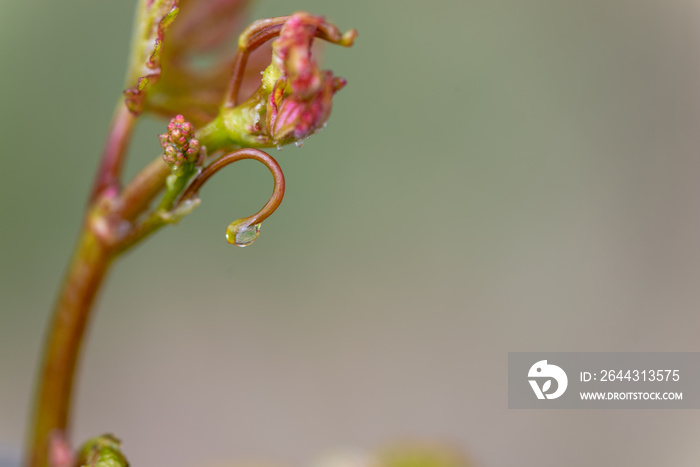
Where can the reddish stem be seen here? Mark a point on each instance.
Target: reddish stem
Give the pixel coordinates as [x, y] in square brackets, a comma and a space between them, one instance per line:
[88, 268]
[253, 37]
[140, 192]
[272, 204]
[90, 263]
[110, 169]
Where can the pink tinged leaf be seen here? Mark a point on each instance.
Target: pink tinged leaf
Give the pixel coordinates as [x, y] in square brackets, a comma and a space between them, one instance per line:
[205, 24]
[154, 18]
[184, 85]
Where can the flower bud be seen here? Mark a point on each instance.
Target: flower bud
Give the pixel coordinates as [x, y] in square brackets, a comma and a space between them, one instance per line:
[295, 97]
[302, 97]
[181, 151]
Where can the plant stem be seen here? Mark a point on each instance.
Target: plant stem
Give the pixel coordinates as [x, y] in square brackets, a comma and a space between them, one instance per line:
[86, 272]
[109, 172]
[93, 255]
[137, 195]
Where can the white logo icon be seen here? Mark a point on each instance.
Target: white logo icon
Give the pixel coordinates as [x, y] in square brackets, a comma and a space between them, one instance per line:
[542, 370]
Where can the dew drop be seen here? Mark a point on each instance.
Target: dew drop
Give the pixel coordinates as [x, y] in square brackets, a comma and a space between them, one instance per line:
[242, 234]
[298, 143]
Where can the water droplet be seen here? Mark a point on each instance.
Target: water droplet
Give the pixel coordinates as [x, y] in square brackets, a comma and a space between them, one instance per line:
[298, 143]
[279, 147]
[241, 234]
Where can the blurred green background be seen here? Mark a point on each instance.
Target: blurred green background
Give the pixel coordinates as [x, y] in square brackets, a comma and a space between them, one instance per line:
[498, 176]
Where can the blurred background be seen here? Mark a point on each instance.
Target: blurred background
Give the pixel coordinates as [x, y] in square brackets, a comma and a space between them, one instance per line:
[497, 176]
